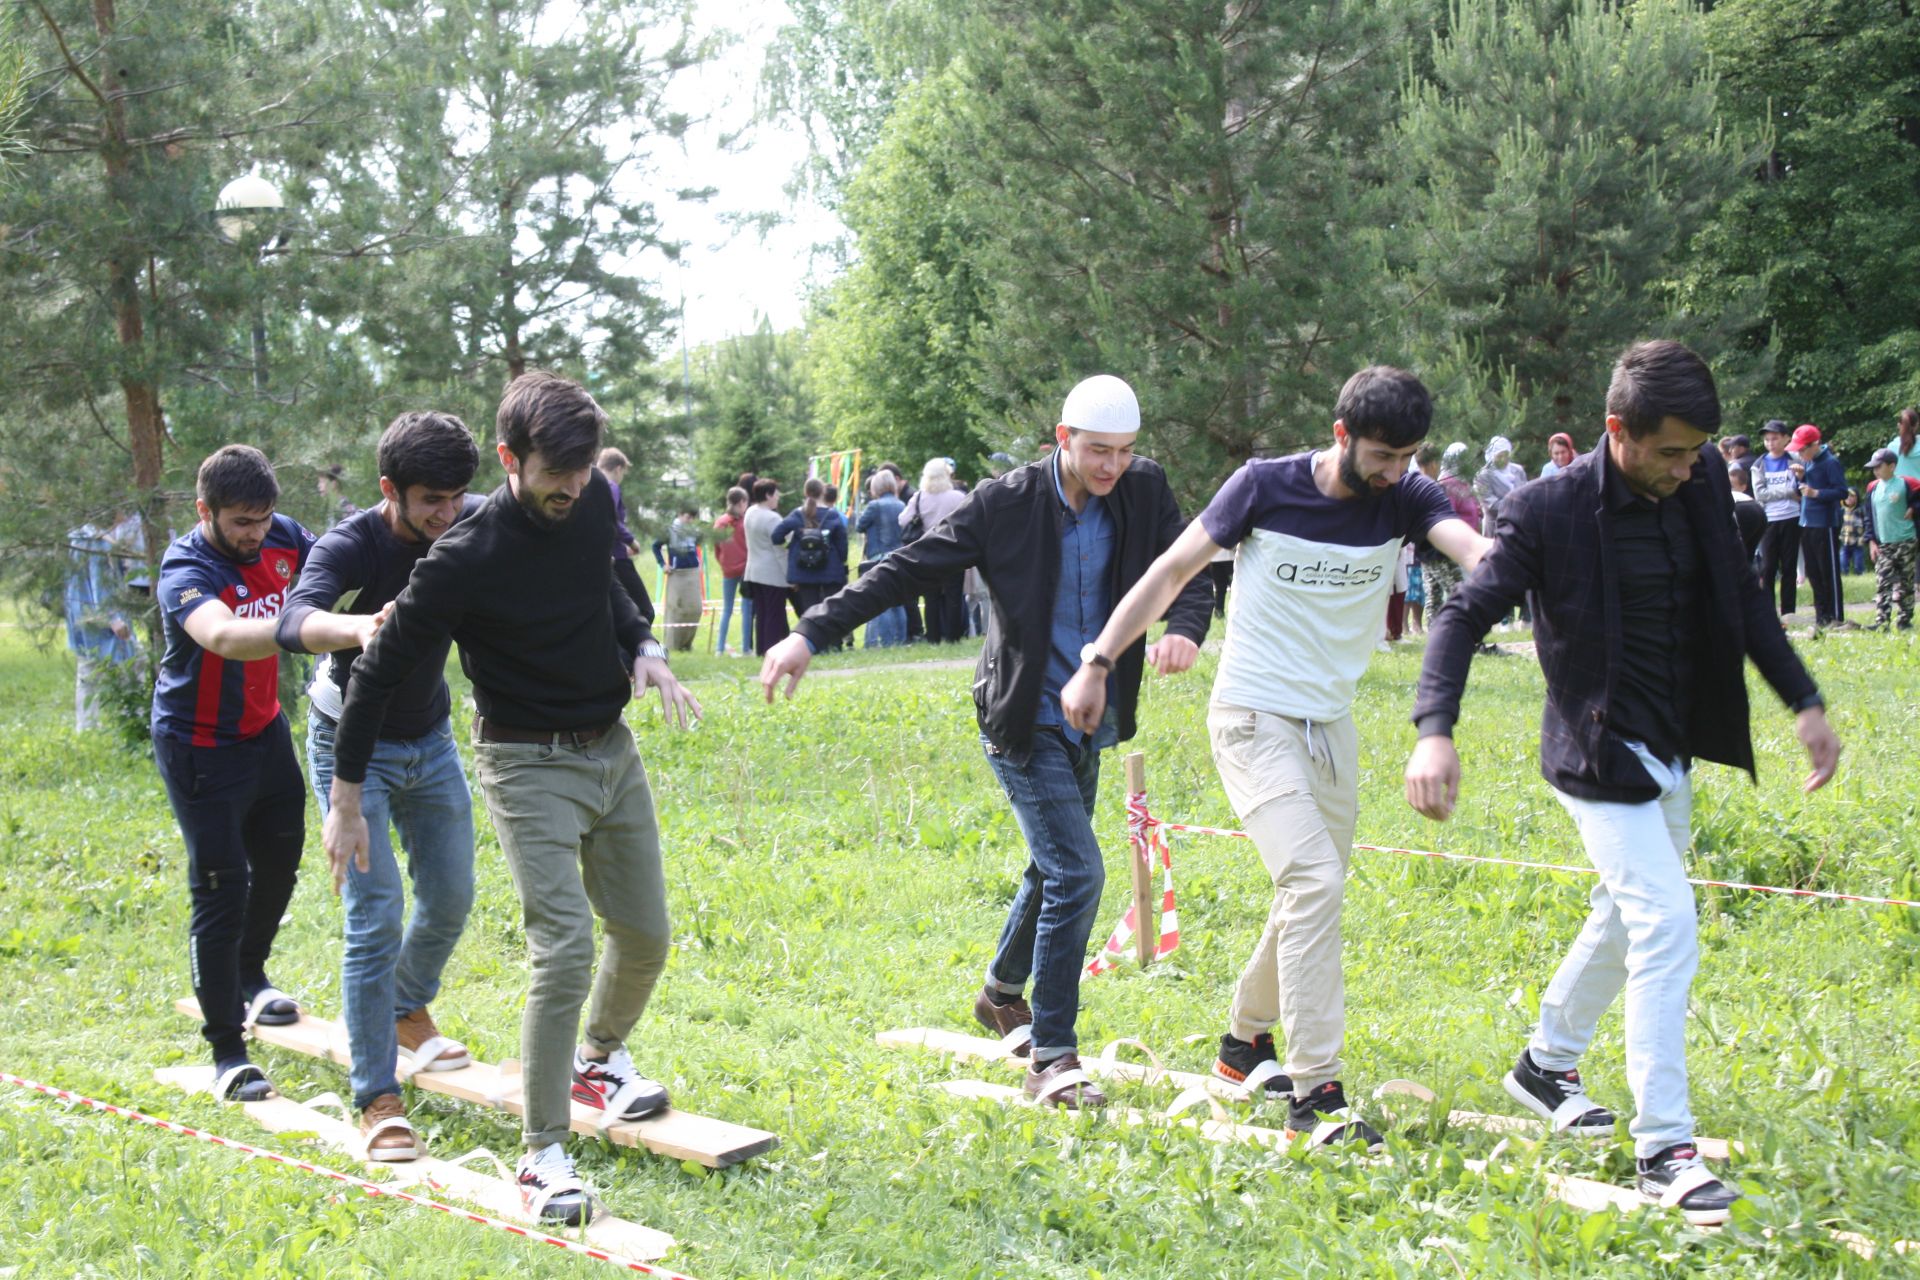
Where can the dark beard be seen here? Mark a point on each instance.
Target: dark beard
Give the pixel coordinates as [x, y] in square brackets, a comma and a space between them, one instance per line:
[1356, 483]
[537, 514]
[226, 548]
[400, 514]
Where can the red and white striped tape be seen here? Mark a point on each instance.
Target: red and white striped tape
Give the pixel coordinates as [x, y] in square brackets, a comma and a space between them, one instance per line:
[1145, 839]
[371, 1188]
[1194, 829]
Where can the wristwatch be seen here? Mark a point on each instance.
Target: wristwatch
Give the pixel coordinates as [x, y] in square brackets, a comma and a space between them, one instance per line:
[1090, 656]
[651, 649]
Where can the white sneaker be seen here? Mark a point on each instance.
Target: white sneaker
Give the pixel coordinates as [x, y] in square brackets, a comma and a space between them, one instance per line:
[616, 1087]
[550, 1189]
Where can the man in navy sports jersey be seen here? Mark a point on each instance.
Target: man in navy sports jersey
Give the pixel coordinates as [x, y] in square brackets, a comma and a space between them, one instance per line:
[390, 971]
[224, 749]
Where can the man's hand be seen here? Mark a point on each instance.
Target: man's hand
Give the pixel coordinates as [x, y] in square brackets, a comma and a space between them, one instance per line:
[677, 702]
[1433, 776]
[119, 628]
[1823, 746]
[1084, 701]
[344, 834]
[367, 625]
[1172, 654]
[1873, 553]
[789, 658]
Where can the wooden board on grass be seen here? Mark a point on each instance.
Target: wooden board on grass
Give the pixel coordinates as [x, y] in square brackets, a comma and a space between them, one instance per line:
[676, 1134]
[437, 1179]
[983, 1049]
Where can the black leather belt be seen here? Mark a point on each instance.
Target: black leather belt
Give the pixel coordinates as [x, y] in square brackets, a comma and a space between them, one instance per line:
[493, 731]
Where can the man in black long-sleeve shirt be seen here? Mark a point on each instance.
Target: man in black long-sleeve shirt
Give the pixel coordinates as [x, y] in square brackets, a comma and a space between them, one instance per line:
[1644, 606]
[554, 648]
[390, 968]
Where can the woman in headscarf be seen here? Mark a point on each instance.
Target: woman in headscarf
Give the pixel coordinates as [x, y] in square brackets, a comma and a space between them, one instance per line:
[1442, 576]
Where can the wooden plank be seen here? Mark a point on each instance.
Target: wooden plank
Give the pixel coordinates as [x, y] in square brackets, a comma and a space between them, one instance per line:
[438, 1179]
[981, 1049]
[678, 1135]
[1146, 937]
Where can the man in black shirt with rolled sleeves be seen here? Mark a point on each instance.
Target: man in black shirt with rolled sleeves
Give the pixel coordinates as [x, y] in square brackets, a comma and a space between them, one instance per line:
[554, 648]
[1644, 605]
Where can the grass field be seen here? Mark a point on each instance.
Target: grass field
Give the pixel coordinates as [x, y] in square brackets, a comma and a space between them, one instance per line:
[840, 866]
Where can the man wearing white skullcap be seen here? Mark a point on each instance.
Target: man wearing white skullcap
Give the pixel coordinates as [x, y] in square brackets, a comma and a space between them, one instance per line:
[1057, 542]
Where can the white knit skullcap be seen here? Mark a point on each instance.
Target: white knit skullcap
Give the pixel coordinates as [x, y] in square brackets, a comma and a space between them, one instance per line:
[1104, 405]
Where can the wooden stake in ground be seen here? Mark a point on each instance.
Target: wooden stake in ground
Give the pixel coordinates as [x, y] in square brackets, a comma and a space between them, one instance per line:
[1140, 855]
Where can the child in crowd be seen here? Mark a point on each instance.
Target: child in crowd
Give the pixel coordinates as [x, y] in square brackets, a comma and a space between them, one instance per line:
[1893, 508]
[1416, 592]
[1853, 534]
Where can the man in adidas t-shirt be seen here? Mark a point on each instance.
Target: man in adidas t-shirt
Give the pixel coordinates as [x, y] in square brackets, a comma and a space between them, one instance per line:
[1318, 535]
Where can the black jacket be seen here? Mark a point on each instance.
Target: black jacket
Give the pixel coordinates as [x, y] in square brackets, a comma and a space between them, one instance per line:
[1009, 529]
[1555, 542]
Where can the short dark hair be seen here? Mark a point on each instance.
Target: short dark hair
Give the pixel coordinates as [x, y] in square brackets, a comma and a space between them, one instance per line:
[1662, 379]
[237, 475]
[690, 511]
[1385, 404]
[765, 487]
[552, 416]
[736, 494]
[430, 448]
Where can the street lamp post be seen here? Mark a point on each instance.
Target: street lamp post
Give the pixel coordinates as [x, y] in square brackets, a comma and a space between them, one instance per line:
[247, 213]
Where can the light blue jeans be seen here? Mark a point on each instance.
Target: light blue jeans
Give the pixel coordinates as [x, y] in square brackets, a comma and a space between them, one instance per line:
[1642, 934]
[887, 630]
[391, 966]
[729, 591]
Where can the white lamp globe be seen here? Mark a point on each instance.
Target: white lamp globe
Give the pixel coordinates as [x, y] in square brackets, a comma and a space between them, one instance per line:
[246, 205]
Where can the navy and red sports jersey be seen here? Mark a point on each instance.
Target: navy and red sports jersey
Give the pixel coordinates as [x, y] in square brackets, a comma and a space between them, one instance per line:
[201, 698]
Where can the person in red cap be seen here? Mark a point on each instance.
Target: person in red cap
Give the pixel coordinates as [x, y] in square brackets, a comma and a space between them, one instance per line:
[1823, 484]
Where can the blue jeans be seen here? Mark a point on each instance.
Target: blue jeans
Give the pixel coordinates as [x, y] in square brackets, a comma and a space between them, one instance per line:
[889, 629]
[1053, 913]
[729, 590]
[392, 967]
[1642, 935]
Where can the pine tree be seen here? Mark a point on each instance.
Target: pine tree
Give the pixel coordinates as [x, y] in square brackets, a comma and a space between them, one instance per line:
[758, 411]
[1561, 155]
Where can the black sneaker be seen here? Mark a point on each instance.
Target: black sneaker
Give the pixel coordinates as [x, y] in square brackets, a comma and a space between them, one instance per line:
[1678, 1178]
[1557, 1098]
[1249, 1066]
[238, 1080]
[1324, 1116]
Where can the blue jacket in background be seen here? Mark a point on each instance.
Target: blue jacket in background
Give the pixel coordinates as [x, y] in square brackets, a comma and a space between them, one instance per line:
[881, 523]
[835, 526]
[1827, 475]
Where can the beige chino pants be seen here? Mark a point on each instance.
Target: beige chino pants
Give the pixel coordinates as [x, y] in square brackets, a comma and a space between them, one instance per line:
[1294, 785]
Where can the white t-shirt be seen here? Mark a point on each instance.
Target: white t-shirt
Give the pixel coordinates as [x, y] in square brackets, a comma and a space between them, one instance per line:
[1311, 582]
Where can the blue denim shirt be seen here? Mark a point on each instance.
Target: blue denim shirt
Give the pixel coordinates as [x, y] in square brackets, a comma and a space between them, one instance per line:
[1081, 602]
[92, 597]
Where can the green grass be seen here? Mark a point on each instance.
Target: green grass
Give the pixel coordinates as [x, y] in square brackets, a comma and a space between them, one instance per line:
[840, 865]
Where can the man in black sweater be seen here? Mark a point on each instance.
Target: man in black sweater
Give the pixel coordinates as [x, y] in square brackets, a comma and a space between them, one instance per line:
[1644, 605]
[554, 648]
[1058, 543]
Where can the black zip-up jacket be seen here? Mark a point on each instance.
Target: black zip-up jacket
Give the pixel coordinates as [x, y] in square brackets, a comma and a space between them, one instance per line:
[1554, 545]
[1009, 529]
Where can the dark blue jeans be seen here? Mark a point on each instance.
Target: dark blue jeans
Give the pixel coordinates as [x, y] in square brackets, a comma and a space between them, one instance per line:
[1053, 913]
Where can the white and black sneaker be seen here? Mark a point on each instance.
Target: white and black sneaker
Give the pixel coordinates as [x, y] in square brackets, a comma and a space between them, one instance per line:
[550, 1190]
[1324, 1116]
[616, 1087]
[1558, 1098]
[1677, 1178]
[1254, 1069]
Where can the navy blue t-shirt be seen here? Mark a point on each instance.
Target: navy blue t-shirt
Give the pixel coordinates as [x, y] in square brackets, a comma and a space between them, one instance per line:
[357, 567]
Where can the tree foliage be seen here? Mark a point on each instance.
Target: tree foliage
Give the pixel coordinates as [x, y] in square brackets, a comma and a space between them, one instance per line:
[1551, 195]
[1828, 224]
[757, 411]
